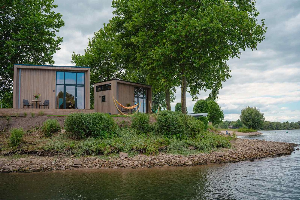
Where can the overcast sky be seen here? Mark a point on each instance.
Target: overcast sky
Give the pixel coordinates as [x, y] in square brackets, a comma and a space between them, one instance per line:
[268, 78]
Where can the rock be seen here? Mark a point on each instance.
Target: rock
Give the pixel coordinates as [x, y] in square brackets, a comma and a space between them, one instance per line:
[77, 163]
[123, 155]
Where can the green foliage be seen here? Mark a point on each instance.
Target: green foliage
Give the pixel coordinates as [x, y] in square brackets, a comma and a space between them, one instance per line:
[178, 108]
[175, 124]
[28, 35]
[252, 118]
[192, 40]
[32, 115]
[50, 126]
[81, 125]
[41, 113]
[281, 125]
[204, 120]
[16, 136]
[140, 122]
[201, 106]
[129, 141]
[246, 130]
[215, 114]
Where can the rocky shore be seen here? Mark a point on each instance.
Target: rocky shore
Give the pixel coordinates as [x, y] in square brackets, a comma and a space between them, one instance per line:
[242, 149]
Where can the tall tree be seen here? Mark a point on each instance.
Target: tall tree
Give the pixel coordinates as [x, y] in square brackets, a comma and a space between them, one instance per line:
[27, 35]
[252, 118]
[215, 114]
[186, 42]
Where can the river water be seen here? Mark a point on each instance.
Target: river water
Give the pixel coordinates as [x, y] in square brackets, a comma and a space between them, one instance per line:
[269, 178]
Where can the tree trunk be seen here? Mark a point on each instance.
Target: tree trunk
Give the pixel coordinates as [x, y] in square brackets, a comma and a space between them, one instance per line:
[183, 93]
[168, 103]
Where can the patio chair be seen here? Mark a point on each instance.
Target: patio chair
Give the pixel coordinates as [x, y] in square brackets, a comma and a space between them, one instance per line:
[27, 104]
[46, 103]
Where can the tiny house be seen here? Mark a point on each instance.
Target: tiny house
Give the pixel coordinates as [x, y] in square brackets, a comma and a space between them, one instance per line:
[125, 93]
[65, 87]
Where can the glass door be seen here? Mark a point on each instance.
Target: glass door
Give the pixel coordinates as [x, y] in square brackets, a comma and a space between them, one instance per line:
[70, 98]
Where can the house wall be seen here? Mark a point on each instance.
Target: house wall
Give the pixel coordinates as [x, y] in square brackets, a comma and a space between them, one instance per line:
[120, 90]
[107, 106]
[29, 80]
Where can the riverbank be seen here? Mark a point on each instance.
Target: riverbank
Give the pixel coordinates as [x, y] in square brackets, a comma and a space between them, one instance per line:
[242, 149]
[241, 133]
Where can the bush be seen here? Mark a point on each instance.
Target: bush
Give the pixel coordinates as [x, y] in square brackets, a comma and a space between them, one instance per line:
[16, 136]
[82, 125]
[204, 120]
[175, 124]
[140, 122]
[50, 126]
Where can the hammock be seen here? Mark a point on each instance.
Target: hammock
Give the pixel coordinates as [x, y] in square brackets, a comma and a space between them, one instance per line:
[129, 108]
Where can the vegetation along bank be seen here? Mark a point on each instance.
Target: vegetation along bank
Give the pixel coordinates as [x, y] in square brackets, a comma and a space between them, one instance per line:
[99, 141]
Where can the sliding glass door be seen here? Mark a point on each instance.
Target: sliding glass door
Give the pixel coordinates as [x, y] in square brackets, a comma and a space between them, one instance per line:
[70, 90]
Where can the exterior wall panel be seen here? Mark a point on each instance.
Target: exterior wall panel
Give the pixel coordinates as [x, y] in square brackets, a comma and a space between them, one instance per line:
[30, 80]
[122, 91]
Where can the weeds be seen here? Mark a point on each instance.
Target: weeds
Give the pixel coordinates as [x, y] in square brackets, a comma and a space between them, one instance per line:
[16, 136]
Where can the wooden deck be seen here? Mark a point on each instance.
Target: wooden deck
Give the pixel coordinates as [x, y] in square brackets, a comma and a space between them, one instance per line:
[28, 111]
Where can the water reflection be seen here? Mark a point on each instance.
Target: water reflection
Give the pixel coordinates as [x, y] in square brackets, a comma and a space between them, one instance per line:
[158, 183]
[269, 178]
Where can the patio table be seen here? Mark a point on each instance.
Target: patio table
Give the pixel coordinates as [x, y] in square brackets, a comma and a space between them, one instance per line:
[36, 102]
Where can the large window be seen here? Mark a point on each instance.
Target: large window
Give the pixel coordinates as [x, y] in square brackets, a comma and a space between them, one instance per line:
[140, 97]
[70, 90]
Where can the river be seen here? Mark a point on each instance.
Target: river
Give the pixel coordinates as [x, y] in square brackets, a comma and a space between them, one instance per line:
[269, 178]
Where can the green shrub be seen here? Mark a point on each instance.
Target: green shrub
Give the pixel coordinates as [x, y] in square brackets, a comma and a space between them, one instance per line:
[246, 130]
[50, 126]
[16, 136]
[169, 124]
[83, 125]
[204, 120]
[175, 124]
[32, 114]
[140, 122]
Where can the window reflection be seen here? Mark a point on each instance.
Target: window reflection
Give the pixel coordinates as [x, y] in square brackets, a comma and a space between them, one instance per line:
[70, 78]
[80, 78]
[80, 97]
[70, 90]
[60, 96]
[60, 78]
[140, 97]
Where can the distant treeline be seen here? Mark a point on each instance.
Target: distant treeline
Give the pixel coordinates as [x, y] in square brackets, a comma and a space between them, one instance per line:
[266, 125]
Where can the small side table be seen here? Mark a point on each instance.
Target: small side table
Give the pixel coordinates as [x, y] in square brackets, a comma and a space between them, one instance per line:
[36, 102]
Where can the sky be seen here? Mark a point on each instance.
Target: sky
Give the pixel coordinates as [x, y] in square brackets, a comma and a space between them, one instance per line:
[267, 78]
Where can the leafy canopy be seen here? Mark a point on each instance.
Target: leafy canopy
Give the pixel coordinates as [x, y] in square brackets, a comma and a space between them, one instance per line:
[215, 114]
[185, 42]
[252, 118]
[27, 36]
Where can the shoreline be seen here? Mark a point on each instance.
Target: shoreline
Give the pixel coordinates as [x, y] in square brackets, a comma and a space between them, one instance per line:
[242, 149]
[241, 133]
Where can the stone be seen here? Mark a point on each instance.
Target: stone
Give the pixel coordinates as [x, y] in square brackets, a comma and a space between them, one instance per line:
[123, 155]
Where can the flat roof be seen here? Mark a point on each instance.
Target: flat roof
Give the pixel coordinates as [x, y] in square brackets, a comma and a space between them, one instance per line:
[121, 81]
[51, 66]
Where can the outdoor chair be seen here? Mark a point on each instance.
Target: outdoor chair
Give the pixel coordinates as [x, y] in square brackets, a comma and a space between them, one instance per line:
[26, 103]
[46, 103]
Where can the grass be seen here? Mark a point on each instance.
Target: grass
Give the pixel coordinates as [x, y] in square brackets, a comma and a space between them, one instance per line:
[246, 130]
[57, 115]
